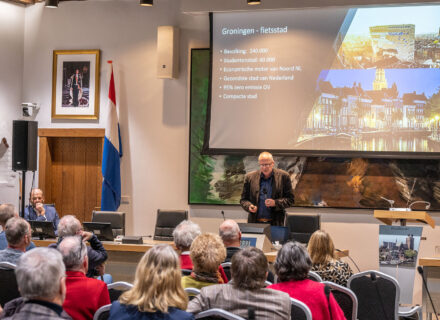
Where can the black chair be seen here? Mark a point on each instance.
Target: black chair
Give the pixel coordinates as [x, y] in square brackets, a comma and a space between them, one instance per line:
[8, 283]
[102, 313]
[115, 289]
[166, 221]
[191, 292]
[299, 310]
[186, 272]
[217, 314]
[314, 276]
[378, 296]
[227, 269]
[346, 299]
[116, 219]
[301, 227]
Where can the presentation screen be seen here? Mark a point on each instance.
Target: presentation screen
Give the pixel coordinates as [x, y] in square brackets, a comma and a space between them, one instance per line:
[326, 81]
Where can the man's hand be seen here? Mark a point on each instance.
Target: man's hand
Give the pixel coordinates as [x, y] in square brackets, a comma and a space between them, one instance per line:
[85, 235]
[269, 203]
[253, 208]
[39, 208]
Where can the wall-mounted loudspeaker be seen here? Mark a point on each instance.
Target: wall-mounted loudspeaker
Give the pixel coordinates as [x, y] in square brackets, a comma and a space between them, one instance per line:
[24, 145]
[167, 52]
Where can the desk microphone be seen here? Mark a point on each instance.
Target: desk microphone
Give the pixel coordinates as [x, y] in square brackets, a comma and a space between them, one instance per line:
[348, 256]
[420, 270]
[223, 214]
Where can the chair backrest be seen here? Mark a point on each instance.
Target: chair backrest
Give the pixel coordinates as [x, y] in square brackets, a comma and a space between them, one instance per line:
[8, 283]
[115, 289]
[102, 313]
[346, 299]
[314, 276]
[186, 272]
[227, 269]
[301, 227]
[191, 292]
[116, 219]
[377, 294]
[219, 313]
[299, 310]
[166, 221]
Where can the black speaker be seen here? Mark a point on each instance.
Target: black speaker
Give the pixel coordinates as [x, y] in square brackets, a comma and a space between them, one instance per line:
[24, 145]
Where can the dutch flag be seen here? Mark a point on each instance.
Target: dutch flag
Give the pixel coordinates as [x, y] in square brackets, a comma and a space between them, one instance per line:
[111, 170]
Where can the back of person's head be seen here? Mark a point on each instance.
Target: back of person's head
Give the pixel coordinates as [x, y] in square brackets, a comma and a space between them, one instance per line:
[293, 262]
[207, 252]
[7, 211]
[16, 230]
[249, 268]
[39, 274]
[230, 232]
[74, 252]
[185, 233]
[68, 226]
[157, 285]
[321, 247]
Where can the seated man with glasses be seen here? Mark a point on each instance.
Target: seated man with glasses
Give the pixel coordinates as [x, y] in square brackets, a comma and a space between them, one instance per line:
[267, 193]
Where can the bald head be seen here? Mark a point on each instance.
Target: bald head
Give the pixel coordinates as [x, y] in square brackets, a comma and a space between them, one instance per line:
[68, 226]
[36, 197]
[74, 252]
[230, 233]
[7, 211]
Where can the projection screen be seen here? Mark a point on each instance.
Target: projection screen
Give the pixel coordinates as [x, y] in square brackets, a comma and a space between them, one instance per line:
[326, 81]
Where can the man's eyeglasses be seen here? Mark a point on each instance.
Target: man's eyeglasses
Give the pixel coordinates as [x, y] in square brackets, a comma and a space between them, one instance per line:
[265, 164]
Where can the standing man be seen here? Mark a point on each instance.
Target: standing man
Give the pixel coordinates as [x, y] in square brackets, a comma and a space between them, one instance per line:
[76, 88]
[39, 211]
[267, 193]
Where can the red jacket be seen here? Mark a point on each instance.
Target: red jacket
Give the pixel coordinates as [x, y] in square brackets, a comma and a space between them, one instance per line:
[312, 294]
[84, 295]
[186, 263]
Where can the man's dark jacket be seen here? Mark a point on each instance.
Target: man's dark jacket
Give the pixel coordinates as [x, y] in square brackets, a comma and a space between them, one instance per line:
[282, 193]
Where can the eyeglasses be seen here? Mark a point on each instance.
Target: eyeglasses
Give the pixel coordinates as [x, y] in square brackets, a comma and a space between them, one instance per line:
[265, 164]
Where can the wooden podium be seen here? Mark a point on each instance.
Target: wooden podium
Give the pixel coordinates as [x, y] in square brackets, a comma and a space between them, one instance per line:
[403, 217]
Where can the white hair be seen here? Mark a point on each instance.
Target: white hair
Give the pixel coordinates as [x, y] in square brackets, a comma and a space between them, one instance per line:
[229, 231]
[39, 272]
[74, 251]
[68, 226]
[185, 233]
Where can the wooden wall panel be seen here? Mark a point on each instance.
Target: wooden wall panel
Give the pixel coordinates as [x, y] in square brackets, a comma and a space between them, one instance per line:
[71, 169]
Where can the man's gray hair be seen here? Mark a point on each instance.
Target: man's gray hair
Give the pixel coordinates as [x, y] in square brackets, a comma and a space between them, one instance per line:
[68, 226]
[229, 231]
[185, 233]
[39, 272]
[73, 251]
[15, 230]
[7, 211]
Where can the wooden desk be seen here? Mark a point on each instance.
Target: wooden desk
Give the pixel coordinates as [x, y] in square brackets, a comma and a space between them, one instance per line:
[431, 273]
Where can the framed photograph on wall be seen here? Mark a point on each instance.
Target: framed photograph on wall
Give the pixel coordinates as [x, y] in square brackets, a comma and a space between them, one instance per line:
[75, 84]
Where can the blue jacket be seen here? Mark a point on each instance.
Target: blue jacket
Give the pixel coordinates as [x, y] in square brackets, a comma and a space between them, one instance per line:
[51, 215]
[121, 312]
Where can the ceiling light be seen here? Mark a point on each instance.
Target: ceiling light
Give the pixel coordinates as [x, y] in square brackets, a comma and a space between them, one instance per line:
[253, 2]
[51, 4]
[146, 3]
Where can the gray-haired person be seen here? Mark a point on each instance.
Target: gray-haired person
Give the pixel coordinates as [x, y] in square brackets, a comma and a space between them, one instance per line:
[18, 236]
[41, 280]
[184, 234]
[230, 233]
[245, 291]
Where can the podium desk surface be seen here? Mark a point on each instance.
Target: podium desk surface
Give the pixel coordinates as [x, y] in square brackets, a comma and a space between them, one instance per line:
[429, 262]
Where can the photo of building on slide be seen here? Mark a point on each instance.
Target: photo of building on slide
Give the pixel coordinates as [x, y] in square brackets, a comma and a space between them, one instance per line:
[383, 89]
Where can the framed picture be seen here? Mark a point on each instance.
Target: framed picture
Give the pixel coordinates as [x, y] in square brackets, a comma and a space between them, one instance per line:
[75, 84]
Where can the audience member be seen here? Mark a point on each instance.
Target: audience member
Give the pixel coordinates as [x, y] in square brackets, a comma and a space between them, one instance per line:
[18, 236]
[39, 211]
[83, 295]
[7, 211]
[292, 267]
[41, 281]
[207, 252]
[245, 291]
[322, 253]
[70, 226]
[157, 292]
[184, 234]
[231, 235]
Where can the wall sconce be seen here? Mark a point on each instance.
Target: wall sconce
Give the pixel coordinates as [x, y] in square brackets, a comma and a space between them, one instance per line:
[146, 3]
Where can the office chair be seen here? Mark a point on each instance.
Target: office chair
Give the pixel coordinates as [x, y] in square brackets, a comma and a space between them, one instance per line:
[166, 221]
[378, 296]
[219, 313]
[8, 283]
[116, 219]
[102, 313]
[301, 227]
[115, 289]
[299, 310]
[314, 276]
[346, 299]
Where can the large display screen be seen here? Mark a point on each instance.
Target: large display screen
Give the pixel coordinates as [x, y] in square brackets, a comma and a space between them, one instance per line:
[324, 81]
